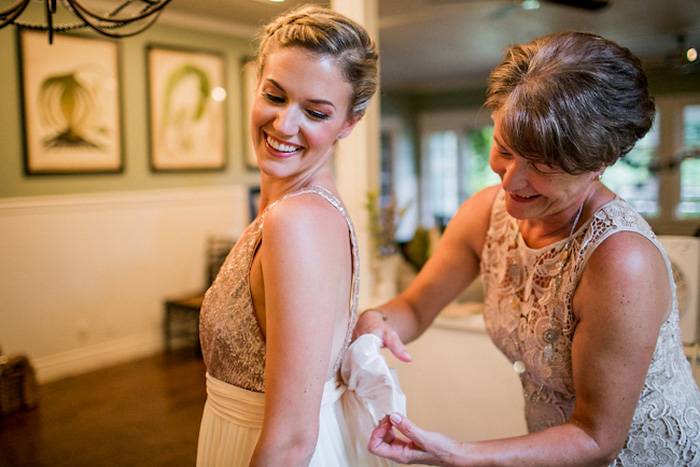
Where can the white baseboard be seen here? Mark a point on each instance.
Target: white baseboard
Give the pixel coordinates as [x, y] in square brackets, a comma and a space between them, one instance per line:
[97, 356]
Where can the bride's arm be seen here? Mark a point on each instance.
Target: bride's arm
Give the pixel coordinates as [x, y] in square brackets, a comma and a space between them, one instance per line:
[304, 241]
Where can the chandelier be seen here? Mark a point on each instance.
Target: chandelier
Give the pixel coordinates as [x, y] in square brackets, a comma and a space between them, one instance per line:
[128, 18]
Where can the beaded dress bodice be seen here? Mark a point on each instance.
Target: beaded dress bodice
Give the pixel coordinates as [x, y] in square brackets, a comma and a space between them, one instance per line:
[233, 345]
[666, 424]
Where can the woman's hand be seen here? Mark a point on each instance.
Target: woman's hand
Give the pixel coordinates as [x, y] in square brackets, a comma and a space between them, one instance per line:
[418, 447]
[373, 321]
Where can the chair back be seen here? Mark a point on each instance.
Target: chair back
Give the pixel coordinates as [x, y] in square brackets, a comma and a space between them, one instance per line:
[218, 248]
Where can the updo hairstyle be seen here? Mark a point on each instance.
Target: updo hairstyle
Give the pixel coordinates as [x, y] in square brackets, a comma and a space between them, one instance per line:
[571, 100]
[326, 33]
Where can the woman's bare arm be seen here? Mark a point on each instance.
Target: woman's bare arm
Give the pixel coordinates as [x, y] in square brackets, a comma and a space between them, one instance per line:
[621, 301]
[450, 269]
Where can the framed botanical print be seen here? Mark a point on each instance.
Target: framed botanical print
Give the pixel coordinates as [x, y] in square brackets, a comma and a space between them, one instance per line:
[70, 103]
[187, 112]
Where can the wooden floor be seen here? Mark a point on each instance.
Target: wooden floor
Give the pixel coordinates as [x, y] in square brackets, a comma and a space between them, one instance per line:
[144, 413]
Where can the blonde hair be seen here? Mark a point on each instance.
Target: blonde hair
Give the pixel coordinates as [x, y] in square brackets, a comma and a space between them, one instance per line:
[325, 33]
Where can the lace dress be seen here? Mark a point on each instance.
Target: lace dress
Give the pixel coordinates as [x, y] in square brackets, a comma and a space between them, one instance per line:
[665, 429]
[233, 347]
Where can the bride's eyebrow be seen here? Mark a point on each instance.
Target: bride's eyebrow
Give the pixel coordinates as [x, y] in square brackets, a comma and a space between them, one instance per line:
[275, 84]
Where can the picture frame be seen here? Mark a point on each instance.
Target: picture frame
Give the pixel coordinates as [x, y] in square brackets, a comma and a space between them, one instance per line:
[249, 79]
[187, 114]
[70, 93]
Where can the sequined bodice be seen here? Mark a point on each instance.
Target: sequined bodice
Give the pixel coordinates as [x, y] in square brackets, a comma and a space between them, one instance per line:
[666, 425]
[233, 345]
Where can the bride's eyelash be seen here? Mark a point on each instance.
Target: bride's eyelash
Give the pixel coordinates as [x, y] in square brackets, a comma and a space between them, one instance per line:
[317, 115]
[273, 98]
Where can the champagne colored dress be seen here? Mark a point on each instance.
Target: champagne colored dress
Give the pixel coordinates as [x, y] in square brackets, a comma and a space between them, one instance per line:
[362, 390]
[665, 430]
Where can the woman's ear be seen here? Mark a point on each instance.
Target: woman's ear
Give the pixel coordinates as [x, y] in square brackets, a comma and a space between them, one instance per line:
[349, 125]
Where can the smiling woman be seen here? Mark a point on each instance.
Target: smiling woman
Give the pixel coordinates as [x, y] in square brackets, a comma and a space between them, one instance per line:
[299, 112]
[578, 291]
[285, 387]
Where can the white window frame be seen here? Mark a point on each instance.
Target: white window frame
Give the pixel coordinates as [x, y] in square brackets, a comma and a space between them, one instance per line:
[404, 178]
[459, 121]
[670, 122]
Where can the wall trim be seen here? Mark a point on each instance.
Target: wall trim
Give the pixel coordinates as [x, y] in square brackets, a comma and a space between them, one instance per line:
[115, 200]
[97, 356]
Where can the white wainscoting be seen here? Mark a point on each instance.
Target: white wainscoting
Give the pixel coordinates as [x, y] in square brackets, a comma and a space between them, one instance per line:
[83, 278]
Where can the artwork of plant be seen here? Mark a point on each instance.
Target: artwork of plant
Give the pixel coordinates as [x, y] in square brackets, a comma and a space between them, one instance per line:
[185, 103]
[70, 91]
[187, 110]
[69, 105]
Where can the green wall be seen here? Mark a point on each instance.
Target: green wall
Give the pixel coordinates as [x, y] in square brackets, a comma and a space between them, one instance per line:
[137, 174]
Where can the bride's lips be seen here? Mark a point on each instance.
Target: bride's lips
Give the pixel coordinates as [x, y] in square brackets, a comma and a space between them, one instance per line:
[523, 199]
[280, 148]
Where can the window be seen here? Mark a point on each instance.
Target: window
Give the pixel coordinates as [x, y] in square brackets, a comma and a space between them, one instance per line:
[632, 177]
[664, 165]
[689, 205]
[455, 163]
[660, 177]
[443, 171]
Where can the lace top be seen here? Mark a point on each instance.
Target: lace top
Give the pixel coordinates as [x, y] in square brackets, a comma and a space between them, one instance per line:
[666, 425]
[233, 345]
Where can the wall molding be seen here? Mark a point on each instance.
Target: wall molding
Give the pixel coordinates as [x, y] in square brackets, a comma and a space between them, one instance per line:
[96, 356]
[116, 200]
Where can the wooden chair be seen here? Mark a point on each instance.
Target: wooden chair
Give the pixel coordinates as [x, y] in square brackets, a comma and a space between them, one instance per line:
[181, 320]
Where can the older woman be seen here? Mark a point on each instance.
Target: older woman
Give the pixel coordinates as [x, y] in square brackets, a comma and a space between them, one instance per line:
[579, 293]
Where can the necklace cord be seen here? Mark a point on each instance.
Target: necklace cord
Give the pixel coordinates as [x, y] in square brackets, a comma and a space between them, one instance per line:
[551, 334]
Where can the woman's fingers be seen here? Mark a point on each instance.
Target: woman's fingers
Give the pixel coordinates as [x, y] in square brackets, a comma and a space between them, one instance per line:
[382, 434]
[392, 341]
[372, 323]
[429, 447]
[408, 428]
[384, 443]
[367, 323]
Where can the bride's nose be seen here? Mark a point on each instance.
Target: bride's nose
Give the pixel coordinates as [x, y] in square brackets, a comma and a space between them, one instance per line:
[287, 120]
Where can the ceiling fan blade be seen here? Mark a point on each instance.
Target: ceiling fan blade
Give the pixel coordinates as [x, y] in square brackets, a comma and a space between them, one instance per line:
[584, 4]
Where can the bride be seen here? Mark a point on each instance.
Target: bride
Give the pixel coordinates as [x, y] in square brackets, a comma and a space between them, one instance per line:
[276, 324]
